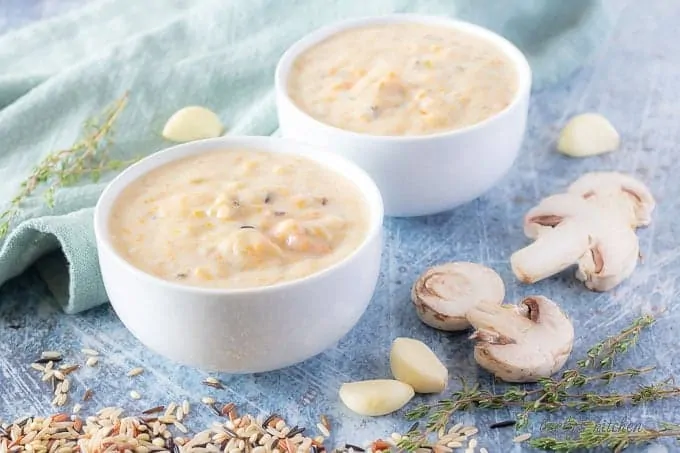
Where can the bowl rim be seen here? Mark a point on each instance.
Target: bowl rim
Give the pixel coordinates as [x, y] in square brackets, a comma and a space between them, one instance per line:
[286, 61]
[333, 162]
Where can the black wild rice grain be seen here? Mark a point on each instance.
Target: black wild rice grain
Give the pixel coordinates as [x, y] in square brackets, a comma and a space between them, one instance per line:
[215, 409]
[324, 201]
[230, 432]
[354, 447]
[268, 198]
[154, 410]
[267, 420]
[295, 430]
[503, 424]
[413, 428]
[247, 227]
[44, 360]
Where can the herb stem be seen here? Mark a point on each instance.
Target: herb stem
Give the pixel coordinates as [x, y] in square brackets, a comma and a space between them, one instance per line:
[87, 157]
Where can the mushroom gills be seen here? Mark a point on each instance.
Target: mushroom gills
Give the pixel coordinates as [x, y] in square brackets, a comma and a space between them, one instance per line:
[610, 262]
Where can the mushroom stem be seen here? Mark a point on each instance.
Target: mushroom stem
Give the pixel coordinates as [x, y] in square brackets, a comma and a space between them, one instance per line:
[552, 252]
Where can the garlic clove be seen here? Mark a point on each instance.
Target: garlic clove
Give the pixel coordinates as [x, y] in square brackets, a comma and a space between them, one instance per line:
[375, 397]
[414, 363]
[192, 123]
[588, 134]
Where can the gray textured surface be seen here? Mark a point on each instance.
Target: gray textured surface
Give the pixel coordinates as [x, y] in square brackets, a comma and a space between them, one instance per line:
[635, 81]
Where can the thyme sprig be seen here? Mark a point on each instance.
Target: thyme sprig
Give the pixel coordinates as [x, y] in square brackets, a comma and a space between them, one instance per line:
[87, 157]
[591, 436]
[551, 394]
[602, 354]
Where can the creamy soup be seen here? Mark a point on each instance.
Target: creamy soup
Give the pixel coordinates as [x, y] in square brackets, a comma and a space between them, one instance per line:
[402, 79]
[238, 218]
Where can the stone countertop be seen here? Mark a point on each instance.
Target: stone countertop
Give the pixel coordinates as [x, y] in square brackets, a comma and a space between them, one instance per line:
[634, 81]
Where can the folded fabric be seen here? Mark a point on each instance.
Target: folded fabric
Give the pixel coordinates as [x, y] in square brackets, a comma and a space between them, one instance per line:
[173, 53]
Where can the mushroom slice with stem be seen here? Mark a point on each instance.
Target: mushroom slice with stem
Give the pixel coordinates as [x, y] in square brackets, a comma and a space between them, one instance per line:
[617, 191]
[521, 343]
[552, 251]
[443, 294]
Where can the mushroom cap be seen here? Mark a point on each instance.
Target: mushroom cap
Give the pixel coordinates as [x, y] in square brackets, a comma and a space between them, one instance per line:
[617, 191]
[613, 256]
[521, 343]
[443, 294]
[553, 210]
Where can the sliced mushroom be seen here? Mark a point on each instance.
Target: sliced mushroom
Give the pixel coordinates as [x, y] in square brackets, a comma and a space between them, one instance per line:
[443, 294]
[617, 191]
[553, 251]
[552, 211]
[612, 257]
[521, 343]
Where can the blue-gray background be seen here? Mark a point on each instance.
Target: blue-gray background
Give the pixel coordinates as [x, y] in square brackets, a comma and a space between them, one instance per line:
[634, 80]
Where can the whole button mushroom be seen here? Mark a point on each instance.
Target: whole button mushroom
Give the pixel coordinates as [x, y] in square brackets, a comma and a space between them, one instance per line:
[521, 343]
[443, 294]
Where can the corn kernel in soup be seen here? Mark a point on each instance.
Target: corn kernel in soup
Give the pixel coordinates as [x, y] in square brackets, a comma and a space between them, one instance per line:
[402, 79]
[238, 218]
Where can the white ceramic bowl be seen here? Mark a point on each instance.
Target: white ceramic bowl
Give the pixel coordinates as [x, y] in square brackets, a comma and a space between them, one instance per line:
[418, 175]
[245, 330]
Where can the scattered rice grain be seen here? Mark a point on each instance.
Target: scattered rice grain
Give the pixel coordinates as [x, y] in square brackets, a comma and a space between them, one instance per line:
[472, 443]
[521, 437]
[50, 355]
[92, 361]
[134, 394]
[135, 372]
[90, 352]
[483, 450]
[207, 400]
[322, 429]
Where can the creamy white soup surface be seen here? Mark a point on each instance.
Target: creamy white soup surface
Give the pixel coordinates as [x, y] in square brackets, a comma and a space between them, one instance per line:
[238, 218]
[402, 79]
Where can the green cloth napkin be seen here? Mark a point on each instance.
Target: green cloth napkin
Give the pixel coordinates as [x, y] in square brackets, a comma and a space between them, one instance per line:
[173, 53]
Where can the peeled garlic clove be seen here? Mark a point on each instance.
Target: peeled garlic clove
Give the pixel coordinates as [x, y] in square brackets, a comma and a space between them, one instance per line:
[588, 134]
[375, 397]
[192, 123]
[414, 363]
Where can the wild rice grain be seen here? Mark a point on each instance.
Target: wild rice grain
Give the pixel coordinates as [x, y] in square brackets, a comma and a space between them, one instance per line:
[322, 429]
[90, 352]
[135, 372]
[522, 437]
[88, 395]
